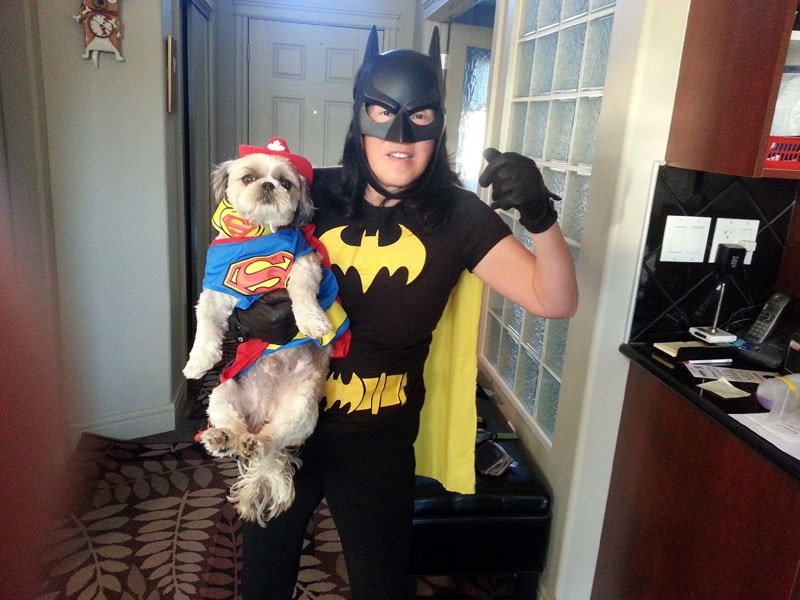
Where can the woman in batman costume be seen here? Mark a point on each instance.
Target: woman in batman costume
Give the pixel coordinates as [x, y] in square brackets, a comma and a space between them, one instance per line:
[399, 231]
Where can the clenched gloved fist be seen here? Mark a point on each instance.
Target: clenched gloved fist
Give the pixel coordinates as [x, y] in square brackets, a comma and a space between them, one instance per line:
[517, 183]
[270, 319]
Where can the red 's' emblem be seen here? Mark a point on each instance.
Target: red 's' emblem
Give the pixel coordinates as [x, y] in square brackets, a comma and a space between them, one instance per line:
[259, 274]
[237, 226]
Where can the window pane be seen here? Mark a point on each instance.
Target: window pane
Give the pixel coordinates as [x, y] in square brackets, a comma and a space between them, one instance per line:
[507, 359]
[491, 343]
[575, 8]
[597, 4]
[533, 332]
[512, 316]
[554, 180]
[549, 13]
[570, 55]
[574, 206]
[518, 111]
[527, 377]
[576, 254]
[496, 302]
[559, 134]
[530, 15]
[472, 124]
[556, 344]
[586, 130]
[547, 403]
[535, 128]
[598, 41]
[544, 58]
[522, 81]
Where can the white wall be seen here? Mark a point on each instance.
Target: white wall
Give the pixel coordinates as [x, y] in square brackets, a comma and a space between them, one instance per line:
[634, 126]
[113, 217]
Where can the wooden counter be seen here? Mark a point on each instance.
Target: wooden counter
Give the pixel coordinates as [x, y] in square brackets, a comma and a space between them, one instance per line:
[699, 506]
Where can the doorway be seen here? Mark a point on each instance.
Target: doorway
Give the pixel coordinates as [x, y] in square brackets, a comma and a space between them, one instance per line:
[196, 26]
[300, 85]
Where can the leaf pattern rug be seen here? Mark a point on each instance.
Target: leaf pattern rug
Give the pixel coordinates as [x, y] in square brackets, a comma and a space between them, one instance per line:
[151, 522]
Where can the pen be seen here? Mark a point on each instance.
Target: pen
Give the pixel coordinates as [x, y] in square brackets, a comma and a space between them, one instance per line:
[709, 361]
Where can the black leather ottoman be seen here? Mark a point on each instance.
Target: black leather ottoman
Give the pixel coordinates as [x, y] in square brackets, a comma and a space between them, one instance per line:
[503, 528]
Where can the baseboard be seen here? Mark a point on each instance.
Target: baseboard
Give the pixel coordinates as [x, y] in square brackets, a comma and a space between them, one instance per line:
[136, 424]
[130, 425]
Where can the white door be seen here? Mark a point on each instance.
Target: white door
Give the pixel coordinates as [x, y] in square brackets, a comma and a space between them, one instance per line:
[301, 85]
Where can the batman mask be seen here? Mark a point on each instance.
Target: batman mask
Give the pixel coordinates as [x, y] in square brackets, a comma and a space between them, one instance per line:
[404, 82]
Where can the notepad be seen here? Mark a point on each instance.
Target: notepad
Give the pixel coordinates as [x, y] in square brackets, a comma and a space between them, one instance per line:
[672, 348]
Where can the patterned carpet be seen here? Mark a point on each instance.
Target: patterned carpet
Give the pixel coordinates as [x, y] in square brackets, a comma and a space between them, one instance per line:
[151, 522]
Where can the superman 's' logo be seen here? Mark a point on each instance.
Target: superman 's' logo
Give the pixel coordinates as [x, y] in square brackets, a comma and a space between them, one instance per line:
[369, 257]
[259, 274]
[370, 394]
[229, 223]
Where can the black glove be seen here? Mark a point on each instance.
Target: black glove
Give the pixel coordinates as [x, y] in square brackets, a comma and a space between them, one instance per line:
[270, 319]
[517, 183]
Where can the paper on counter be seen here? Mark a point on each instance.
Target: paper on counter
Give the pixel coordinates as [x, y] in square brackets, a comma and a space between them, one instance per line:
[740, 375]
[723, 388]
[783, 436]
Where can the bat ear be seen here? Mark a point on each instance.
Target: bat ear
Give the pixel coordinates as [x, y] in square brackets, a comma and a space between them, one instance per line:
[433, 50]
[305, 207]
[373, 48]
[219, 180]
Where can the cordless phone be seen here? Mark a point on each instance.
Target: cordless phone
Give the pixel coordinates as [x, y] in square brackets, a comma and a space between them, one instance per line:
[765, 324]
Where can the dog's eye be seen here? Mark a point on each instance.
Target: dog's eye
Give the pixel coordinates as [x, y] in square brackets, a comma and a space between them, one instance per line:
[287, 185]
[248, 179]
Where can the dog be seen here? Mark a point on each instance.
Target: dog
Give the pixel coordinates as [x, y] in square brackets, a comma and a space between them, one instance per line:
[263, 413]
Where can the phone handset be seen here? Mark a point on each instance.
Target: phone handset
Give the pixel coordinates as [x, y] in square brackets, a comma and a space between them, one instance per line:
[765, 324]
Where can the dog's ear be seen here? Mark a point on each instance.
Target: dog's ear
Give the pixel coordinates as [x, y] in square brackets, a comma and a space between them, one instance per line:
[305, 207]
[219, 180]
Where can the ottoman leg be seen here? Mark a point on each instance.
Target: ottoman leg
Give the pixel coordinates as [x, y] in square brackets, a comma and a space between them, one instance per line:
[526, 586]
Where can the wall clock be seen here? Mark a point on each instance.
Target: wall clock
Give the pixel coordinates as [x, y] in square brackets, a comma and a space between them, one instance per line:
[102, 28]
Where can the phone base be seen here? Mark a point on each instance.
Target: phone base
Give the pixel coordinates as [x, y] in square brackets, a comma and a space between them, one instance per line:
[712, 335]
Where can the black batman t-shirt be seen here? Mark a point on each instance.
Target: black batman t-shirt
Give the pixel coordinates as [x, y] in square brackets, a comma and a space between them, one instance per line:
[394, 282]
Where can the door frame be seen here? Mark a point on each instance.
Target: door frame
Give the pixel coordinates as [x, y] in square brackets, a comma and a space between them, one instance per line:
[195, 246]
[245, 10]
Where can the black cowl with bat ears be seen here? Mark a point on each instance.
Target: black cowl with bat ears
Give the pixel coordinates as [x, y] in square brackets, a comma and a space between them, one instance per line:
[404, 82]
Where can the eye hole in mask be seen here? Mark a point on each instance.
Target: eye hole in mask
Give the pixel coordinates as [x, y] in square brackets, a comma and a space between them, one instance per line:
[382, 114]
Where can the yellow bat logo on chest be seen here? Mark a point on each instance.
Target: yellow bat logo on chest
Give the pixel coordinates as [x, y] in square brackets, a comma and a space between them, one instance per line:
[369, 257]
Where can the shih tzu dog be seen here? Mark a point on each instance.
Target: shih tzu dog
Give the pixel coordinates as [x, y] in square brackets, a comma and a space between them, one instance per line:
[267, 402]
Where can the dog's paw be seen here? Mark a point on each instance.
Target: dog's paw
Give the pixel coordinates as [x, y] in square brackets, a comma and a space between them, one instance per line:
[217, 442]
[200, 362]
[194, 371]
[250, 445]
[314, 324]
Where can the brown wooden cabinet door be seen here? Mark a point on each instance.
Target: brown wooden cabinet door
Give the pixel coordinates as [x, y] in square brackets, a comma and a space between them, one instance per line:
[693, 512]
[733, 58]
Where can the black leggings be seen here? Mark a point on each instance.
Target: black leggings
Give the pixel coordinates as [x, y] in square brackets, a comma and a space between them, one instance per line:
[367, 478]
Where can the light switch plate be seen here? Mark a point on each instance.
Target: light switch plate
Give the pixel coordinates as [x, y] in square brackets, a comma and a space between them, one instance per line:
[685, 239]
[735, 231]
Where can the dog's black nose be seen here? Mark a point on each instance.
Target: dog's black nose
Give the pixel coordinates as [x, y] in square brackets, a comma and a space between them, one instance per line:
[268, 185]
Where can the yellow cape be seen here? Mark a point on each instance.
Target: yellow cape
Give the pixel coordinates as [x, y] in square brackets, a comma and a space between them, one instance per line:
[445, 446]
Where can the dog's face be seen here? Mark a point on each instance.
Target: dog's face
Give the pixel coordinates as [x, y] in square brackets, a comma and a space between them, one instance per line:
[264, 189]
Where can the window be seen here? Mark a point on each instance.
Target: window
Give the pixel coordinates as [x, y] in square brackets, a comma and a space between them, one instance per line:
[551, 116]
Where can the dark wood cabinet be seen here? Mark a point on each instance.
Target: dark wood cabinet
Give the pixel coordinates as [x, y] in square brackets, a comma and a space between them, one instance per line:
[733, 58]
[693, 511]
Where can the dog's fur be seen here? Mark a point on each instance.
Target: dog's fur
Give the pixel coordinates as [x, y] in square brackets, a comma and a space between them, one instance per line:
[261, 415]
